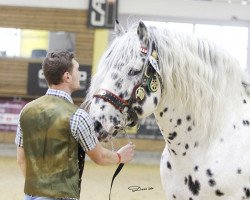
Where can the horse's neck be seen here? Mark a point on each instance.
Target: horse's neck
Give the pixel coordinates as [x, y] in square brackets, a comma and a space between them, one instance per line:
[179, 127]
[175, 123]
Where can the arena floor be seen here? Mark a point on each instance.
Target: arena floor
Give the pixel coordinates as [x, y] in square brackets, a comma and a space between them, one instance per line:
[96, 182]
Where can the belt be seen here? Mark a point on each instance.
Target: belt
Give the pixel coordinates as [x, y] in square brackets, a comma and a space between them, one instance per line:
[65, 198]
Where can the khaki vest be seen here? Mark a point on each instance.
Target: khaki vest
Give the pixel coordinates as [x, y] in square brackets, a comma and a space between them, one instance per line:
[50, 149]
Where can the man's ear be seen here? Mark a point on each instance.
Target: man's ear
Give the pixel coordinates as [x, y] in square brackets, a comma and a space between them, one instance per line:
[67, 77]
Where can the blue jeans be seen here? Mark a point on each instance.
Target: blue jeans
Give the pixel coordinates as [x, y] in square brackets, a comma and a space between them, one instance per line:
[28, 197]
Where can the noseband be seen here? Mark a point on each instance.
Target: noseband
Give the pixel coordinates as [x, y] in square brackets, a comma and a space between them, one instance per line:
[149, 80]
[120, 104]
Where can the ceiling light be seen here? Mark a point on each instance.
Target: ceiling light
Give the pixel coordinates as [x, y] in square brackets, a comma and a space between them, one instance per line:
[244, 2]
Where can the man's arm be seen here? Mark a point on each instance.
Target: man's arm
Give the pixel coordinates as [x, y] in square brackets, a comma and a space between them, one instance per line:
[103, 156]
[21, 160]
[82, 129]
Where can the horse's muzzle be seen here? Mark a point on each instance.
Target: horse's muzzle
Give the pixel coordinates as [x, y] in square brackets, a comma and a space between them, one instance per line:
[102, 135]
[132, 116]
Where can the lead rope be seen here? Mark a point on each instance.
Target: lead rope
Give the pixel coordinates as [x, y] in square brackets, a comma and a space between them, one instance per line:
[120, 166]
[117, 171]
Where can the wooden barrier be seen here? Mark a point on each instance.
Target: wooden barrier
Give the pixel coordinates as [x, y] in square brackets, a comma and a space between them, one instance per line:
[13, 71]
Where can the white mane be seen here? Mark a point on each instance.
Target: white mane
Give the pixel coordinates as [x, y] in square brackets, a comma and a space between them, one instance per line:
[195, 71]
[200, 74]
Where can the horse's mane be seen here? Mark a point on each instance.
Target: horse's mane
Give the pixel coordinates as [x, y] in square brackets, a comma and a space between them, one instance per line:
[201, 75]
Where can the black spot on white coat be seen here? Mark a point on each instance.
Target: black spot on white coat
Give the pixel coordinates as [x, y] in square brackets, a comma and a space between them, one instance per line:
[196, 144]
[114, 76]
[169, 165]
[239, 171]
[211, 182]
[193, 185]
[173, 151]
[219, 193]
[196, 168]
[165, 109]
[188, 118]
[189, 128]
[178, 122]
[172, 135]
[209, 173]
[245, 122]
[118, 83]
[246, 192]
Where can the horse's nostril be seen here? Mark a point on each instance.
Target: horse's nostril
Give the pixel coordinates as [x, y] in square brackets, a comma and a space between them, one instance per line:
[97, 126]
[115, 133]
[117, 127]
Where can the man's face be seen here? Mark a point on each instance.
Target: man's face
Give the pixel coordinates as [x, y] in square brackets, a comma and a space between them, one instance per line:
[75, 84]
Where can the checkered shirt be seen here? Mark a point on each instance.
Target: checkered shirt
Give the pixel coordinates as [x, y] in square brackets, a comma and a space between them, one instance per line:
[81, 125]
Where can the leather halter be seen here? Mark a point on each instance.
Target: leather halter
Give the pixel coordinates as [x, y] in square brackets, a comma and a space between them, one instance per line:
[125, 106]
[119, 103]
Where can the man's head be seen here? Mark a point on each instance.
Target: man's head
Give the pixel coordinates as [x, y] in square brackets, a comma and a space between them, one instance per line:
[60, 68]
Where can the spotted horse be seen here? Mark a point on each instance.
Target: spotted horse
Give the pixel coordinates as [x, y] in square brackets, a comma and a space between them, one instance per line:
[200, 97]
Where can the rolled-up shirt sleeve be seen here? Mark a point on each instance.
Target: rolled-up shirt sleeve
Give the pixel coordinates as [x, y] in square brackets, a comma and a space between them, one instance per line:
[19, 135]
[82, 129]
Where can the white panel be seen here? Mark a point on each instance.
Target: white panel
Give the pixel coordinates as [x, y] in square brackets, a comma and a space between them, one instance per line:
[174, 8]
[67, 4]
[185, 9]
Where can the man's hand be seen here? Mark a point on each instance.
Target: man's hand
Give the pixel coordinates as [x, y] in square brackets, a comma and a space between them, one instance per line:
[126, 153]
[103, 156]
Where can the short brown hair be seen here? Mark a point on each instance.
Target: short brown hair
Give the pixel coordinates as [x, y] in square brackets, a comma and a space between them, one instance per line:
[56, 64]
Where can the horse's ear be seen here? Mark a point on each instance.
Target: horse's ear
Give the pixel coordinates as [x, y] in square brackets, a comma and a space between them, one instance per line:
[118, 28]
[142, 33]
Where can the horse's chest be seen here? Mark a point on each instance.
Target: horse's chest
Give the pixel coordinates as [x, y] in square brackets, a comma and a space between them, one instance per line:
[219, 170]
[195, 177]
[196, 165]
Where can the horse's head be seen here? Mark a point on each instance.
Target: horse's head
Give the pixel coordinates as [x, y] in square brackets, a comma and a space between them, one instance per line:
[127, 85]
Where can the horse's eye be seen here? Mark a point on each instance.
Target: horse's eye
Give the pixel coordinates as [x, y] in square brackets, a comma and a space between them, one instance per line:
[134, 72]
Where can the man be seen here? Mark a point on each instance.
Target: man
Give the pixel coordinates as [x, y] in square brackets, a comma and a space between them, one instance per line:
[53, 136]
